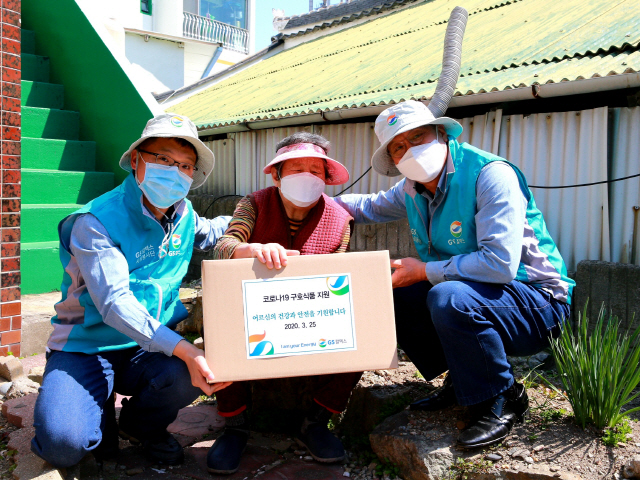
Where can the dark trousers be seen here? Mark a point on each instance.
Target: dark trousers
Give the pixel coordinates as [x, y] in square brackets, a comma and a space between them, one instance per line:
[469, 328]
[72, 411]
[332, 392]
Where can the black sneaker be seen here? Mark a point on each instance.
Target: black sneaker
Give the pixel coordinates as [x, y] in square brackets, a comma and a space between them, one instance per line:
[224, 455]
[164, 450]
[496, 418]
[323, 445]
[441, 397]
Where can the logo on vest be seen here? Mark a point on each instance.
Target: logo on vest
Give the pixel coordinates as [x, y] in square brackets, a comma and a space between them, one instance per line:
[176, 241]
[146, 252]
[456, 230]
[415, 237]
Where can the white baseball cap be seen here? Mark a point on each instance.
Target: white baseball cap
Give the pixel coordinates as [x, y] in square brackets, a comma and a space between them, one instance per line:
[401, 118]
[170, 125]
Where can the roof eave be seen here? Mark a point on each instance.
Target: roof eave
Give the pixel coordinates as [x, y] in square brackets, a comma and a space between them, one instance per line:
[549, 90]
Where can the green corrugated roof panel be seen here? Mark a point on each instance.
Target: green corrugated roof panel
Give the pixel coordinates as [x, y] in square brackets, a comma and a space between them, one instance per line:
[398, 56]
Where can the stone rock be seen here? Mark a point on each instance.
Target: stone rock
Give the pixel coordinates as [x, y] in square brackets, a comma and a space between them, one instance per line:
[4, 387]
[19, 411]
[494, 457]
[10, 368]
[33, 467]
[134, 471]
[192, 299]
[632, 468]
[368, 407]
[431, 457]
[36, 374]
[21, 387]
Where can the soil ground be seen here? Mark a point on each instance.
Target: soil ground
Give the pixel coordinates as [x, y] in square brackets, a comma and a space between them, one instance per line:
[550, 436]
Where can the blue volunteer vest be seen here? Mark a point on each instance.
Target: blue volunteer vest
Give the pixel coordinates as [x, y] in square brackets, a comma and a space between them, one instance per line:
[452, 229]
[154, 281]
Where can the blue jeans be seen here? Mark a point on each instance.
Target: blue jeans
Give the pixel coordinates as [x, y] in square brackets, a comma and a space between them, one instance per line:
[469, 328]
[72, 413]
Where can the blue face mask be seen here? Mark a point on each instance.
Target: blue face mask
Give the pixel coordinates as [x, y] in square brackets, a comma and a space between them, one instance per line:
[163, 186]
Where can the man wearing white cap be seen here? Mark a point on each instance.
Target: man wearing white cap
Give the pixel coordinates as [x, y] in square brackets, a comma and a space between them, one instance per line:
[490, 281]
[124, 256]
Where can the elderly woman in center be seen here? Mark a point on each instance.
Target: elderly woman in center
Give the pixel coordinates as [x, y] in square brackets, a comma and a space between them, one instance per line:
[291, 218]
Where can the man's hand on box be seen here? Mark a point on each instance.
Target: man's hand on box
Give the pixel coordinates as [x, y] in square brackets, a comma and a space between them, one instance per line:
[407, 272]
[201, 375]
[271, 254]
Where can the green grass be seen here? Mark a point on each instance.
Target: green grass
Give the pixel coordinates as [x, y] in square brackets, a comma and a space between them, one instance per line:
[464, 469]
[617, 434]
[598, 370]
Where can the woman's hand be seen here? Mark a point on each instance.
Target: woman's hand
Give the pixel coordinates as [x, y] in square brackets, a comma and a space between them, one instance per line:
[271, 254]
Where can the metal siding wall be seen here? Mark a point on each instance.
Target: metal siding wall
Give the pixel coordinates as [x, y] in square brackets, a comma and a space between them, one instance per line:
[253, 151]
[482, 131]
[625, 195]
[222, 181]
[353, 145]
[564, 149]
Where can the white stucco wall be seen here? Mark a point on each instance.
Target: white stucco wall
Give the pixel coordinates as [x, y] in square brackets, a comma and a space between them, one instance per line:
[159, 64]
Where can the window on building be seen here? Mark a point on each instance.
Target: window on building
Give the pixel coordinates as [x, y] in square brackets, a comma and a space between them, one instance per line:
[145, 6]
[231, 12]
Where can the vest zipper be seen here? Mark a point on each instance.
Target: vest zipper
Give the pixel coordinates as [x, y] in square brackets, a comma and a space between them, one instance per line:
[429, 229]
[431, 223]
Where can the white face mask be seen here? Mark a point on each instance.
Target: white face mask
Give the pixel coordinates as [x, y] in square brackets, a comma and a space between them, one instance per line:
[302, 189]
[423, 163]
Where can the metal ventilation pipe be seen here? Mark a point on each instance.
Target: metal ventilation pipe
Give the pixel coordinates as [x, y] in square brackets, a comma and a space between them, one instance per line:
[451, 59]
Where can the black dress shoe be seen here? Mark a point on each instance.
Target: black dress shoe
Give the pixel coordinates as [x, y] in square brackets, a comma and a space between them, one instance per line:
[440, 398]
[496, 418]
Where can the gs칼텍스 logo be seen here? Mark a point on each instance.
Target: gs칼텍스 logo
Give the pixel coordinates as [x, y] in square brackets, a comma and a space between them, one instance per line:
[392, 119]
[322, 343]
[263, 347]
[338, 285]
[176, 241]
[177, 121]
[456, 229]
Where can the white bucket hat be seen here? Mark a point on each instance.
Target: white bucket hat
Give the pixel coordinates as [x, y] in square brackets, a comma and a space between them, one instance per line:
[170, 125]
[401, 118]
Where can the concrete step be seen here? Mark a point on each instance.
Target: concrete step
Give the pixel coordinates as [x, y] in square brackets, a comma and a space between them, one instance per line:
[53, 187]
[41, 270]
[39, 222]
[70, 155]
[50, 123]
[28, 42]
[43, 95]
[35, 67]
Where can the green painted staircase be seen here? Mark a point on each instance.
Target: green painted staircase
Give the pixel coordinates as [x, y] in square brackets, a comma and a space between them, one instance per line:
[58, 171]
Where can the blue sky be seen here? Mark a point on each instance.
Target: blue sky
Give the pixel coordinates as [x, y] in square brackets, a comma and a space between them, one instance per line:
[264, 18]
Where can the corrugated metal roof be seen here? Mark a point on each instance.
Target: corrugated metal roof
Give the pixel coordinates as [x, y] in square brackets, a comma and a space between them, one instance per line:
[343, 13]
[507, 44]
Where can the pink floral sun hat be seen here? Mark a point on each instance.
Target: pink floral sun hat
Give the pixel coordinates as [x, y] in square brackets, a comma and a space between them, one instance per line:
[338, 173]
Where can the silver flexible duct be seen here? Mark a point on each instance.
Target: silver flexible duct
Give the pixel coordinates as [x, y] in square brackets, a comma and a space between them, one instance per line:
[451, 60]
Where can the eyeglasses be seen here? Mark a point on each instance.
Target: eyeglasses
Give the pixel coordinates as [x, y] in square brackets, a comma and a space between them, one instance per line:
[398, 147]
[162, 159]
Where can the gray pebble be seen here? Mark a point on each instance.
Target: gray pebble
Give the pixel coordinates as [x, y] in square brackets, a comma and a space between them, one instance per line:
[494, 457]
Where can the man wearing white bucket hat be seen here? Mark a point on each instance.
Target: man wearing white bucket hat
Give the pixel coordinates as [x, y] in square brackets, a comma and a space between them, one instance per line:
[490, 281]
[124, 256]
